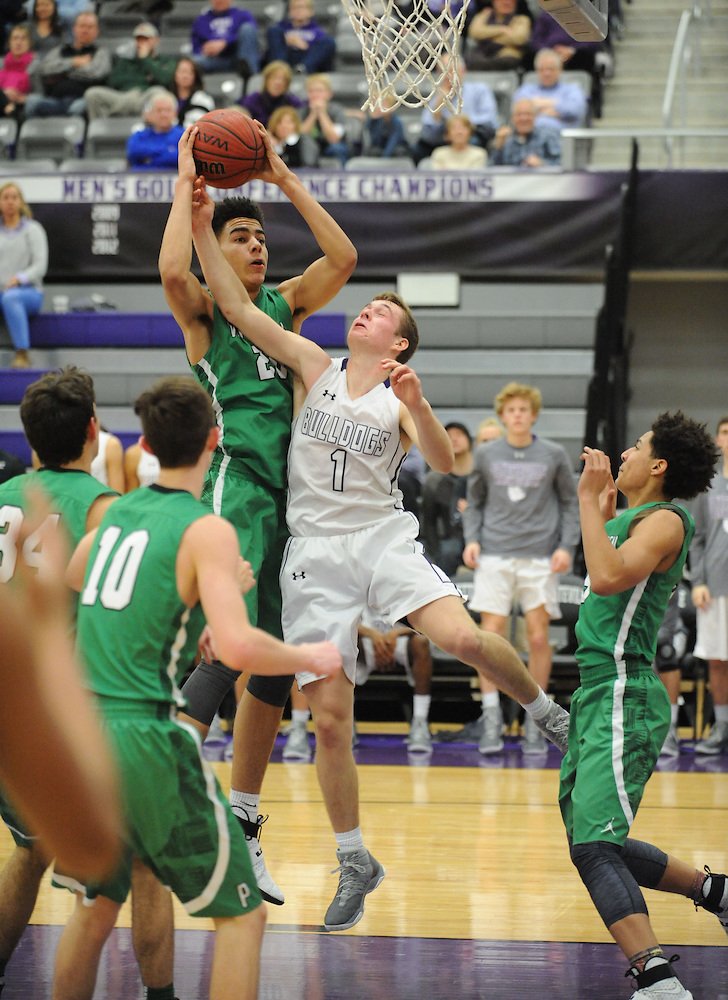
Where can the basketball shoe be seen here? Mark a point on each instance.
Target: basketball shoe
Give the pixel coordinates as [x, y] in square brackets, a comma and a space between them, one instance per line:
[251, 828]
[533, 741]
[555, 726]
[491, 740]
[717, 740]
[659, 983]
[717, 899]
[419, 739]
[360, 874]
[297, 746]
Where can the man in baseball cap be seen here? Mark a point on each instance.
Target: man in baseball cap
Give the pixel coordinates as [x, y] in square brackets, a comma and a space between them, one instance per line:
[134, 78]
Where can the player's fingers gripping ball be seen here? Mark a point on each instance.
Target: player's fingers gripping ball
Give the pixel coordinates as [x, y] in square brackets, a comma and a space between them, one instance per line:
[228, 149]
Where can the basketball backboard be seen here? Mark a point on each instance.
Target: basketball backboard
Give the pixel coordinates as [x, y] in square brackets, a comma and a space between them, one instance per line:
[583, 20]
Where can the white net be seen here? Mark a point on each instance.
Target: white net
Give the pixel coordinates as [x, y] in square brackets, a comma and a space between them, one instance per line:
[410, 51]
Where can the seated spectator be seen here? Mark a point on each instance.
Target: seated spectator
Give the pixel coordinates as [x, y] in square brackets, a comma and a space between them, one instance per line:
[324, 120]
[155, 147]
[224, 39]
[46, 30]
[443, 503]
[23, 266]
[547, 33]
[488, 430]
[133, 78]
[525, 144]
[479, 104]
[274, 94]
[62, 77]
[559, 103]
[383, 133]
[459, 154]
[188, 87]
[300, 41]
[14, 75]
[294, 149]
[498, 37]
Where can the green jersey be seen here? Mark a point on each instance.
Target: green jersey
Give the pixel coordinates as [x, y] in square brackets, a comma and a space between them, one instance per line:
[134, 631]
[70, 492]
[252, 395]
[623, 627]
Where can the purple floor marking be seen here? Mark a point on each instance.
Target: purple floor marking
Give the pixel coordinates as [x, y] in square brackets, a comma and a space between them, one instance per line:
[301, 965]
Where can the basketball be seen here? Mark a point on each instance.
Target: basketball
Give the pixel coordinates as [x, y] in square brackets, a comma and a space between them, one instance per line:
[228, 149]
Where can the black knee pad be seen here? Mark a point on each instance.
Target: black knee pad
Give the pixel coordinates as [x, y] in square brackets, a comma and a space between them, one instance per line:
[205, 689]
[611, 885]
[271, 690]
[646, 862]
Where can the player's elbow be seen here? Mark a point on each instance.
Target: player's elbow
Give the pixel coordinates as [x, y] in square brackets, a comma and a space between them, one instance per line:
[238, 650]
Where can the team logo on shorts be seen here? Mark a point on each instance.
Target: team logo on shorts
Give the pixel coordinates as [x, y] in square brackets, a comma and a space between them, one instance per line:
[244, 893]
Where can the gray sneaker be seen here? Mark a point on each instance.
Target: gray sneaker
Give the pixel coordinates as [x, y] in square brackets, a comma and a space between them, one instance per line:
[716, 742]
[555, 726]
[671, 746]
[533, 741]
[492, 739]
[470, 733]
[360, 874]
[297, 746]
[419, 739]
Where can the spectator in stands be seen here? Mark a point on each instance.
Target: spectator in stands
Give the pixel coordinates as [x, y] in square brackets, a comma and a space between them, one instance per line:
[521, 526]
[459, 153]
[383, 133]
[593, 57]
[488, 430]
[141, 468]
[63, 75]
[709, 567]
[324, 120]
[498, 37]
[294, 149]
[525, 144]
[14, 75]
[300, 41]
[225, 39]
[133, 78]
[23, 265]
[444, 501]
[275, 93]
[479, 105]
[155, 146]
[46, 30]
[189, 89]
[559, 103]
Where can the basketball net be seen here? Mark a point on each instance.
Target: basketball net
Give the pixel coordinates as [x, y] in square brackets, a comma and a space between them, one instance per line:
[410, 55]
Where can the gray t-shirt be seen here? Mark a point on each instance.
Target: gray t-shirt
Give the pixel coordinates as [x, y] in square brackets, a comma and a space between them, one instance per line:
[522, 501]
[709, 548]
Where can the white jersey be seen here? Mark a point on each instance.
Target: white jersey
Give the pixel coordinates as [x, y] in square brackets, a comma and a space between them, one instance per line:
[98, 465]
[344, 458]
[147, 468]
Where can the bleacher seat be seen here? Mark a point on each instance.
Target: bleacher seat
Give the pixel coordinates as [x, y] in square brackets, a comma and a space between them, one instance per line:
[174, 44]
[56, 137]
[106, 137]
[93, 165]
[379, 163]
[19, 168]
[226, 89]
[426, 164]
[8, 136]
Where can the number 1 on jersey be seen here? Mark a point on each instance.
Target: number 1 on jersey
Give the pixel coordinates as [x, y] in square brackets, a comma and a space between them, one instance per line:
[338, 457]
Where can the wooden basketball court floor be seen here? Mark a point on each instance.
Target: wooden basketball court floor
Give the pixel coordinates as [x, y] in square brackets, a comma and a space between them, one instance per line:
[480, 898]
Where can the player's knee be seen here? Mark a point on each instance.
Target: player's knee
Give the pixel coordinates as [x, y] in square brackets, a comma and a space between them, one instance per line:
[99, 917]
[420, 648]
[464, 641]
[333, 729]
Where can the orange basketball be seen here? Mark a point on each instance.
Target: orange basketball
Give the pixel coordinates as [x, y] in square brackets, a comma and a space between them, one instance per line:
[228, 149]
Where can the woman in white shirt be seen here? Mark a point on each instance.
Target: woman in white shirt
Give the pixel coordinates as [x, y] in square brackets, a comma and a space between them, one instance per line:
[459, 154]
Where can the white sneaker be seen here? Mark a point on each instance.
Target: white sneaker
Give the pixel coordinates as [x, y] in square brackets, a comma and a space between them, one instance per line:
[419, 739]
[555, 726]
[659, 983]
[270, 892]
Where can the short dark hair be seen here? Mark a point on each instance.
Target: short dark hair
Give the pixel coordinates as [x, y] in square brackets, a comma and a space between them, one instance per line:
[235, 208]
[407, 327]
[689, 451]
[176, 415]
[56, 411]
[462, 428]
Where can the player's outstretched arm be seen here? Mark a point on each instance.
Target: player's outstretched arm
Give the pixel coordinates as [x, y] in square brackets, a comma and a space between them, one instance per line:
[303, 357]
[417, 420]
[326, 276]
[212, 548]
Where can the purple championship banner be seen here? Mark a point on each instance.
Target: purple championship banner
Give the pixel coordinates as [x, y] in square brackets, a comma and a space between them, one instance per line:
[486, 225]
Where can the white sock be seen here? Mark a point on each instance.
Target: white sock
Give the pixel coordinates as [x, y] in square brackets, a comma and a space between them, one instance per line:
[421, 706]
[300, 716]
[490, 699]
[721, 713]
[674, 712]
[350, 841]
[540, 707]
[248, 801]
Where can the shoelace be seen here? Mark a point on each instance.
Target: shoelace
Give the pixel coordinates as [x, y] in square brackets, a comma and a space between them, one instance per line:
[348, 882]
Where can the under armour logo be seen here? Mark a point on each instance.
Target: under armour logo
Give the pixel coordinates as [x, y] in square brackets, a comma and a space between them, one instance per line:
[609, 828]
[299, 576]
[332, 395]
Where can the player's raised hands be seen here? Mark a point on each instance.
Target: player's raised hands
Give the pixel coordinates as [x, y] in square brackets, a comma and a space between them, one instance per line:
[596, 481]
[405, 383]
